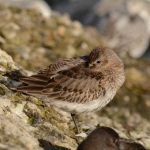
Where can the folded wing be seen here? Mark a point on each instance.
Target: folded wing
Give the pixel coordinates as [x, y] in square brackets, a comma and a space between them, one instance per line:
[67, 80]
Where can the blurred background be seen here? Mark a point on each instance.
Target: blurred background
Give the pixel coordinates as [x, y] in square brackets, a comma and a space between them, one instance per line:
[36, 33]
[124, 23]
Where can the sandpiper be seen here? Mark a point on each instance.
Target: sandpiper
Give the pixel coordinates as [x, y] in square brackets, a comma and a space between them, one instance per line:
[103, 138]
[77, 85]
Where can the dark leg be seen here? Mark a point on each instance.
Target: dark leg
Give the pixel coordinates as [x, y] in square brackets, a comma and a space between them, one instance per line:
[74, 120]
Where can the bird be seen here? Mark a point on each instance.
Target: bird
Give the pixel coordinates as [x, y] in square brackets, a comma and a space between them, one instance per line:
[77, 85]
[125, 144]
[102, 138]
[106, 138]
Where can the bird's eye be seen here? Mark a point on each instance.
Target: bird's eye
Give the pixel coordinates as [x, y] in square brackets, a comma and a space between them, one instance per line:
[98, 62]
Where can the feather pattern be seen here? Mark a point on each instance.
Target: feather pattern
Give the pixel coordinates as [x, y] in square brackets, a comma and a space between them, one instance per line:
[63, 81]
[78, 84]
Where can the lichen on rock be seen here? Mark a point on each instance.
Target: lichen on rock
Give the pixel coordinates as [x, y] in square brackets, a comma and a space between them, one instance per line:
[25, 120]
[6, 63]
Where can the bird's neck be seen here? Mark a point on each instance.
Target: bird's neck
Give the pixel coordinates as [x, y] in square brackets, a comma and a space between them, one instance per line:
[116, 75]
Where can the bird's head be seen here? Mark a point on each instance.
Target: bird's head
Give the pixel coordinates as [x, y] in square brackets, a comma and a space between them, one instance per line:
[103, 59]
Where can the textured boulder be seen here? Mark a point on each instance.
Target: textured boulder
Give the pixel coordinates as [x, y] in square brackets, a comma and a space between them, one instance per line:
[26, 122]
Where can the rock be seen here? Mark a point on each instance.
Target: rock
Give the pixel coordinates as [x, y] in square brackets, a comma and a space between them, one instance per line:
[24, 119]
[29, 37]
[26, 122]
[6, 63]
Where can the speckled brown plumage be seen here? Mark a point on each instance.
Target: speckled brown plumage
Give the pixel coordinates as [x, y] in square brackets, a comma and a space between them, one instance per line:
[77, 80]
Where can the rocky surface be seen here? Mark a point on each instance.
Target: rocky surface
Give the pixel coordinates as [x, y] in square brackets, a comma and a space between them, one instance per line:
[26, 122]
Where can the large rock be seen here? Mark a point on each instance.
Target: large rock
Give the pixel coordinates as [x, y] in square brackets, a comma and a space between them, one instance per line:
[33, 42]
[27, 36]
[25, 120]
[6, 63]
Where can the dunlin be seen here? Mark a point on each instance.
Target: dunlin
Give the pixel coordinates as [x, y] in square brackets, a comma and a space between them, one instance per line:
[103, 138]
[78, 85]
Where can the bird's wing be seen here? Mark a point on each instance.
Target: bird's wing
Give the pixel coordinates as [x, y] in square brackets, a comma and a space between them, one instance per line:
[43, 76]
[66, 80]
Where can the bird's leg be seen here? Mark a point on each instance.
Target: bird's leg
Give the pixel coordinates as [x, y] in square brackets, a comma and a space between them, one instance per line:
[74, 120]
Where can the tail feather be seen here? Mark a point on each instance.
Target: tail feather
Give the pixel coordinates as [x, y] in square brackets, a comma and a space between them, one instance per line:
[33, 81]
[40, 77]
[27, 89]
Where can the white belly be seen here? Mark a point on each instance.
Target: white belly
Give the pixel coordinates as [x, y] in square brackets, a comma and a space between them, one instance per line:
[85, 107]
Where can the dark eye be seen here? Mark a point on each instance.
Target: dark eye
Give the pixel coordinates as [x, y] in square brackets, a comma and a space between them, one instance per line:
[98, 62]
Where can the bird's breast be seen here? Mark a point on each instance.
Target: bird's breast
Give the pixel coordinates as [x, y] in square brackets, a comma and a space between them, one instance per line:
[88, 106]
